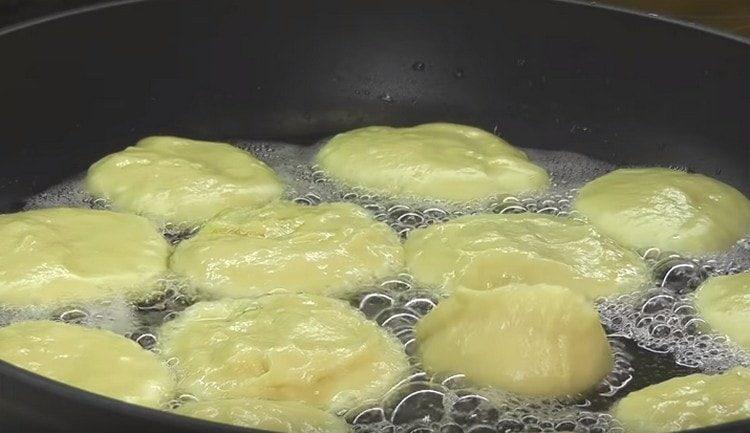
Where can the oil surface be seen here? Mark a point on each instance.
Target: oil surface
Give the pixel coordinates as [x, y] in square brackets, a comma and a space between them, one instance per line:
[655, 334]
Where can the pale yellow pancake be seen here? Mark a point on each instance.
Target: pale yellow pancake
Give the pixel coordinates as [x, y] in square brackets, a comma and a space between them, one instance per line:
[533, 340]
[438, 161]
[61, 256]
[277, 416]
[304, 348]
[330, 249]
[96, 360]
[485, 251]
[686, 403]
[667, 209]
[724, 303]
[182, 182]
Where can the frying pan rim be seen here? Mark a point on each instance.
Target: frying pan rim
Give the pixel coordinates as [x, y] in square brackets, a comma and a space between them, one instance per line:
[73, 394]
[77, 395]
[745, 40]
[12, 28]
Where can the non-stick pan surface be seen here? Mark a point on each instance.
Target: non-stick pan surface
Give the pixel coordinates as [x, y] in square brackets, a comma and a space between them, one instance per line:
[627, 89]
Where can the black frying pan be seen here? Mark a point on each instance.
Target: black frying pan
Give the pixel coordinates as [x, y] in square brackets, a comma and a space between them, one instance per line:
[628, 89]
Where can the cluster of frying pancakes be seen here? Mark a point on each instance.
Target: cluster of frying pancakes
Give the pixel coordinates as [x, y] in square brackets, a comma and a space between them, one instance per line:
[274, 345]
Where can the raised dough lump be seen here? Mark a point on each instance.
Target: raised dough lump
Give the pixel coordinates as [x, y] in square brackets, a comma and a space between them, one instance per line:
[330, 249]
[688, 402]
[485, 251]
[277, 416]
[438, 161]
[532, 340]
[182, 182]
[304, 348]
[96, 360]
[667, 209]
[52, 257]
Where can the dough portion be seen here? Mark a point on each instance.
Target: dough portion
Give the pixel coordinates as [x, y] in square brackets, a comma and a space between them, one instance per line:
[724, 302]
[181, 181]
[439, 161]
[667, 209]
[688, 402]
[62, 255]
[95, 360]
[303, 348]
[540, 340]
[329, 249]
[277, 416]
[482, 252]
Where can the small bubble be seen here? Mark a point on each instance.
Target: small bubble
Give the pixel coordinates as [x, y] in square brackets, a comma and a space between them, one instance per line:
[170, 316]
[415, 402]
[147, 340]
[73, 315]
[373, 304]
[369, 415]
[451, 428]
[482, 428]
[565, 426]
[396, 316]
[509, 426]
[420, 305]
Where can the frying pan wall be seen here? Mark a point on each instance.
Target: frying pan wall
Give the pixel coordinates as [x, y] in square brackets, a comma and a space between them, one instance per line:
[545, 74]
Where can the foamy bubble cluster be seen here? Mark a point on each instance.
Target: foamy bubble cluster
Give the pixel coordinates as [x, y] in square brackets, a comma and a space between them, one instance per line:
[70, 193]
[135, 320]
[420, 404]
[568, 170]
[115, 315]
[664, 319]
[668, 323]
